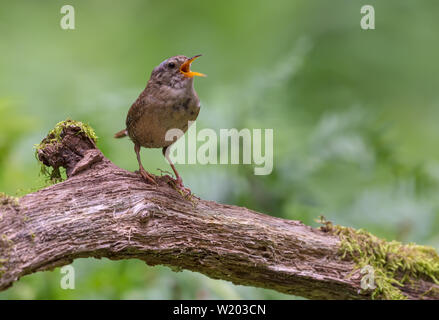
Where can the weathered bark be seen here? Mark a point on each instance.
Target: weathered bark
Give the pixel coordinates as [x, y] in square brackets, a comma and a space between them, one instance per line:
[104, 211]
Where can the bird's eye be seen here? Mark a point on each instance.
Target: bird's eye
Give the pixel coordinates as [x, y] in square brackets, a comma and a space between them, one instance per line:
[171, 65]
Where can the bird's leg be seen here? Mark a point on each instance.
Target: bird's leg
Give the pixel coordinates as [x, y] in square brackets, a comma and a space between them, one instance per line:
[142, 171]
[178, 181]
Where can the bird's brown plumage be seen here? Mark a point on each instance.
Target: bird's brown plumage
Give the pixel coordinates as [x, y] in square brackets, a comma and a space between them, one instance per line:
[169, 101]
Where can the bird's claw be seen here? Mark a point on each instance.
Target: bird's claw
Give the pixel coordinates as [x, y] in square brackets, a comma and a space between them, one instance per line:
[145, 175]
[179, 186]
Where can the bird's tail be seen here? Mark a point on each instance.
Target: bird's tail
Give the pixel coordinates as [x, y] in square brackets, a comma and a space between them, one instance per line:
[121, 134]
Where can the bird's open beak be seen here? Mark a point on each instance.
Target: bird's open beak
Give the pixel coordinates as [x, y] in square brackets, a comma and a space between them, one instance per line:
[186, 68]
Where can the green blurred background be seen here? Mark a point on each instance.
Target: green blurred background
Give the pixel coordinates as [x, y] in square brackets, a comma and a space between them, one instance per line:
[354, 112]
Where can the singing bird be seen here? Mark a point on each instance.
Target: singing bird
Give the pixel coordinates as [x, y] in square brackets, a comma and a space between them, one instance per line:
[169, 101]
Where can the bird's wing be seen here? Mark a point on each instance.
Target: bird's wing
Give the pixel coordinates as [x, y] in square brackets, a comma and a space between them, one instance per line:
[135, 113]
[137, 110]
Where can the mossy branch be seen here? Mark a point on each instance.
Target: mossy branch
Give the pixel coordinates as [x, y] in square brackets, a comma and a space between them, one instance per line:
[104, 211]
[394, 264]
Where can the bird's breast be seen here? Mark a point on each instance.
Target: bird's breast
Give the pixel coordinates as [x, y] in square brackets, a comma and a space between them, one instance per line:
[160, 117]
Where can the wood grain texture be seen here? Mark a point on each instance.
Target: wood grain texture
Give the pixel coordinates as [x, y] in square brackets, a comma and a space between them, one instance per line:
[104, 211]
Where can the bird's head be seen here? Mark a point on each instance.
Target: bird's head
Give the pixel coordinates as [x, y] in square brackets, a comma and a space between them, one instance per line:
[175, 72]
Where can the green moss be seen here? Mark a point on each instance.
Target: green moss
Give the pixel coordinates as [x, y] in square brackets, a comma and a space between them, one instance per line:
[174, 268]
[8, 200]
[188, 196]
[394, 263]
[2, 267]
[4, 241]
[55, 136]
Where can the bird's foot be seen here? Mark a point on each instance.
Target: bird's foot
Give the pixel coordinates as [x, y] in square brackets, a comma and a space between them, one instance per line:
[179, 186]
[148, 177]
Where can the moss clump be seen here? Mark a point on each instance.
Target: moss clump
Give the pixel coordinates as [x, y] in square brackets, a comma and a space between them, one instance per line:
[394, 263]
[55, 136]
